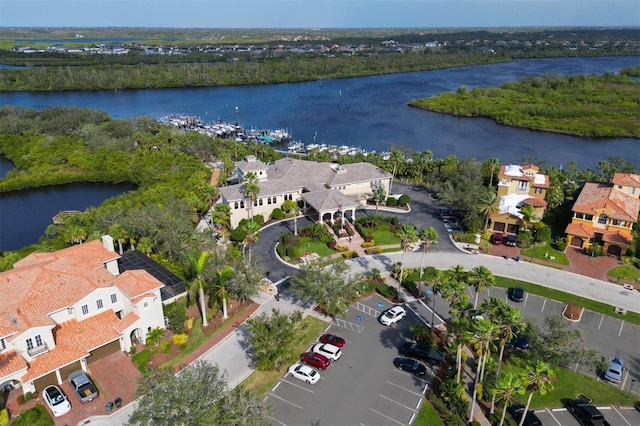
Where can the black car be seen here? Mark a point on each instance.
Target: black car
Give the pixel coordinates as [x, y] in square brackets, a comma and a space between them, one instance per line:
[410, 366]
[530, 419]
[511, 240]
[516, 294]
[518, 342]
[422, 352]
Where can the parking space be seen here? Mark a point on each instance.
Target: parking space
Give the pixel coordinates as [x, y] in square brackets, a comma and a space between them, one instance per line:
[616, 416]
[363, 387]
[557, 416]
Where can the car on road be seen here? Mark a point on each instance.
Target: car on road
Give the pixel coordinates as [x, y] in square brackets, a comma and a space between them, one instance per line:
[586, 414]
[333, 339]
[328, 350]
[516, 294]
[315, 360]
[304, 373]
[83, 386]
[517, 410]
[56, 400]
[410, 366]
[393, 315]
[614, 372]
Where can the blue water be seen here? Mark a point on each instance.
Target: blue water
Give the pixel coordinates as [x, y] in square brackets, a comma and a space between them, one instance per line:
[372, 112]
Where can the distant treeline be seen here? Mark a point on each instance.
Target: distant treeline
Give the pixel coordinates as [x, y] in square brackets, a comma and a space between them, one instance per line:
[590, 106]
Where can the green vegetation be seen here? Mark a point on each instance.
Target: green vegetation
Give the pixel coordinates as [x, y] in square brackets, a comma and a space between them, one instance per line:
[37, 416]
[428, 416]
[592, 305]
[590, 106]
[629, 272]
[543, 251]
[569, 384]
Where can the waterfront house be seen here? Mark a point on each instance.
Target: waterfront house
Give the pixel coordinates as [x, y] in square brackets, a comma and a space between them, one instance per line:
[604, 214]
[326, 191]
[63, 310]
[519, 186]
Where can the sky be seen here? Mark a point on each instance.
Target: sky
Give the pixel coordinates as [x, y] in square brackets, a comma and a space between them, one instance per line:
[318, 13]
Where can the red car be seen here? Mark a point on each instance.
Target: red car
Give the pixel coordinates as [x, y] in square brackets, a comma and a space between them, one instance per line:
[332, 339]
[315, 360]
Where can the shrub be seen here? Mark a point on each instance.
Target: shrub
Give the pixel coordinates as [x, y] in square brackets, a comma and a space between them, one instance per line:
[176, 313]
[141, 359]
[387, 291]
[28, 396]
[281, 249]
[286, 238]
[277, 213]
[259, 219]
[341, 249]
[238, 235]
[393, 220]
[325, 239]
[332, 243]
[368, 238]
[543, 234]
[180, 339]
[404, 200]
[560, 244]
[392, 202]
[133, 349]
[350, 254]
[367, 244]
[4, 417]
[20, 399]
[165, 347]
[373, 250]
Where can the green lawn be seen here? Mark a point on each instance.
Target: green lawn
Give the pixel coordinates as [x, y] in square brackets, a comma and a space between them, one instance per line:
[384, 237]
[568, 385]
[316, 247]
[309, 330]
[544, 251]
[37, 416]
[427, 416]
[628, 271]
[592, 305]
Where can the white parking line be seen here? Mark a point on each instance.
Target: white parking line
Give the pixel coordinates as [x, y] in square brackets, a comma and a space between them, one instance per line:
[405, 389]
[553, 417]
[620, 414]
[273, 418]
[413, 416]
[284, 400]
[601, 318]
[430, 310]
[386, 417]
[417, 314]
[621, 325]
[411, 375]
[526, 297]
[544, 302]
[396, 402]
[298, 386]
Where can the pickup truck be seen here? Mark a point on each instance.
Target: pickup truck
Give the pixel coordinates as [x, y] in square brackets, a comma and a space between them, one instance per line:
[587, 414]
[83, 386]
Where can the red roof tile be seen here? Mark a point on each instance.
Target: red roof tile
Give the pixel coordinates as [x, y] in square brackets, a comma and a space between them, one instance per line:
[626, 179]
[535, 202]
[135, 283]
[596, 197]
[579, 229]
[11, 363]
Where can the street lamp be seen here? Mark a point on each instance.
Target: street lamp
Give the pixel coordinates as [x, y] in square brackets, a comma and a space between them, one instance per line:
[633, 382]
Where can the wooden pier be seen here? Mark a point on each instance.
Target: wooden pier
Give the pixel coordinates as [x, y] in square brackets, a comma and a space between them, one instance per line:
[61, 217]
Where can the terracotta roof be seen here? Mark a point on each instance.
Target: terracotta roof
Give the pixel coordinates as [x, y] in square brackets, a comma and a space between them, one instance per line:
[11, 363]
[616, 237]
[597, 197]
[626, 179]
[579, 229]
[90, 255]
[587, 231]
[535, 202]
[126, 322]
[74, 341]
[516, 172]
[135, 283]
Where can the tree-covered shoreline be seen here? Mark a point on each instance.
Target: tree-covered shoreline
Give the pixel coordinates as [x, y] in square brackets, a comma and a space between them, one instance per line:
[586, 106]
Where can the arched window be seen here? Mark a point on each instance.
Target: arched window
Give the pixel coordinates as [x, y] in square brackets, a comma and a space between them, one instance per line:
[602, 219]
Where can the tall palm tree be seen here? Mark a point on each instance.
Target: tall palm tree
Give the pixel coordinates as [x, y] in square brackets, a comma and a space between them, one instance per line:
[74, 234]
[145, 245]
[488, 206]
[378, 194]
[292, 209]
[427, 236]
[251, 189]
[438, 282]
[407, 235]
[199, 263]
[396, 158]
[506, 390]
[491, 164]
[119, 234]
[252, 230]
[483, 332]
[539, 377]
[224, 274]
[481, 278]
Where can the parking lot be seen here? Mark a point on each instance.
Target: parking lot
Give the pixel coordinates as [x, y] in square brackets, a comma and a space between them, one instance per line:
[616, 416]
[363, 387]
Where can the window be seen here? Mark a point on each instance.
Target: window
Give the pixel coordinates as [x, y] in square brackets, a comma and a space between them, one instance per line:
[3, 345]
[269, 200]
[260, 201]
[114, 298]
[145, 305]
[538, 190]
[602, 219]
[85, 309]
[235, 205]
[522, 185]
[242, 204]
[99, 303]
[29, 344]
[70, 310]
[38, 340]
[588, 217]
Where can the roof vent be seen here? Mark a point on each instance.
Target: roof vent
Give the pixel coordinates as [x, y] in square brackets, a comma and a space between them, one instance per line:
[14, 319]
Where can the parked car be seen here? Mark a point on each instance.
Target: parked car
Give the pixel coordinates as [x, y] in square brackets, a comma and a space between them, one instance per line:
[496, 239]
[83, 386]
[424, 353]
[516, 294]
[328, 350]
[393, 315]
[511, 241]
[586, 413]
[410, 366]
[614, 372]
[518, 342]
[304, 373]
[517, 410]
[333, 339]
[315, 360]
[56, 400]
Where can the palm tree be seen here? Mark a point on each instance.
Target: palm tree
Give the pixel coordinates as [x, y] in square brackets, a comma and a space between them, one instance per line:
[427, 236]
[396, 158]
[291, 208]
[253, 235]
[119, 234]
[145, 245]
[224, 274]
[506, 390]
[378, 194]
[251, 189]
[438, 282]
[75, 234]
[481, 278]
[199, 263]
[538, 378]
[492, 164]
[488, 206]
[483, 333]
[407, 235]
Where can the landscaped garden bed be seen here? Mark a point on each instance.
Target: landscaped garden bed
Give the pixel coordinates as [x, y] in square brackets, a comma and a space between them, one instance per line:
[572, 312]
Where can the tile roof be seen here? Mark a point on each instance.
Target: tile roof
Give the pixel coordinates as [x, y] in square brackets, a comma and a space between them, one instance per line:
[587, 231]
[516, 172]
[626, 179]
[535, 202]
[596, 197]
[74, 340]
[136, 283]
[579, 229]
[329, 200]
[11, 363]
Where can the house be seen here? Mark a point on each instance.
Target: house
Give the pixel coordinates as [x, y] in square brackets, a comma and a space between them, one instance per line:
[519, 186]
[61, 311]
[325, 190]
[604, 214]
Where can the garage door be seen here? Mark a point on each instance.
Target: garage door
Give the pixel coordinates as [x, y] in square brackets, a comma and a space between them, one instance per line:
[576, 242]
[43, 382]
[106, 350]
[65, 371]
[614, 250]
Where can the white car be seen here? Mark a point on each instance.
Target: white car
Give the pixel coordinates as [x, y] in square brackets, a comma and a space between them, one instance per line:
[327, 349]
[56, 400]
[305, 373]
[393, 315]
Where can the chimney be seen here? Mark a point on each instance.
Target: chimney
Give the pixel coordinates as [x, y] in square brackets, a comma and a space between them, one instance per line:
[107, 242]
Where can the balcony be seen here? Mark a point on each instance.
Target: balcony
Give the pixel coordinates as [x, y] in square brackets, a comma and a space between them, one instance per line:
[38, 350]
